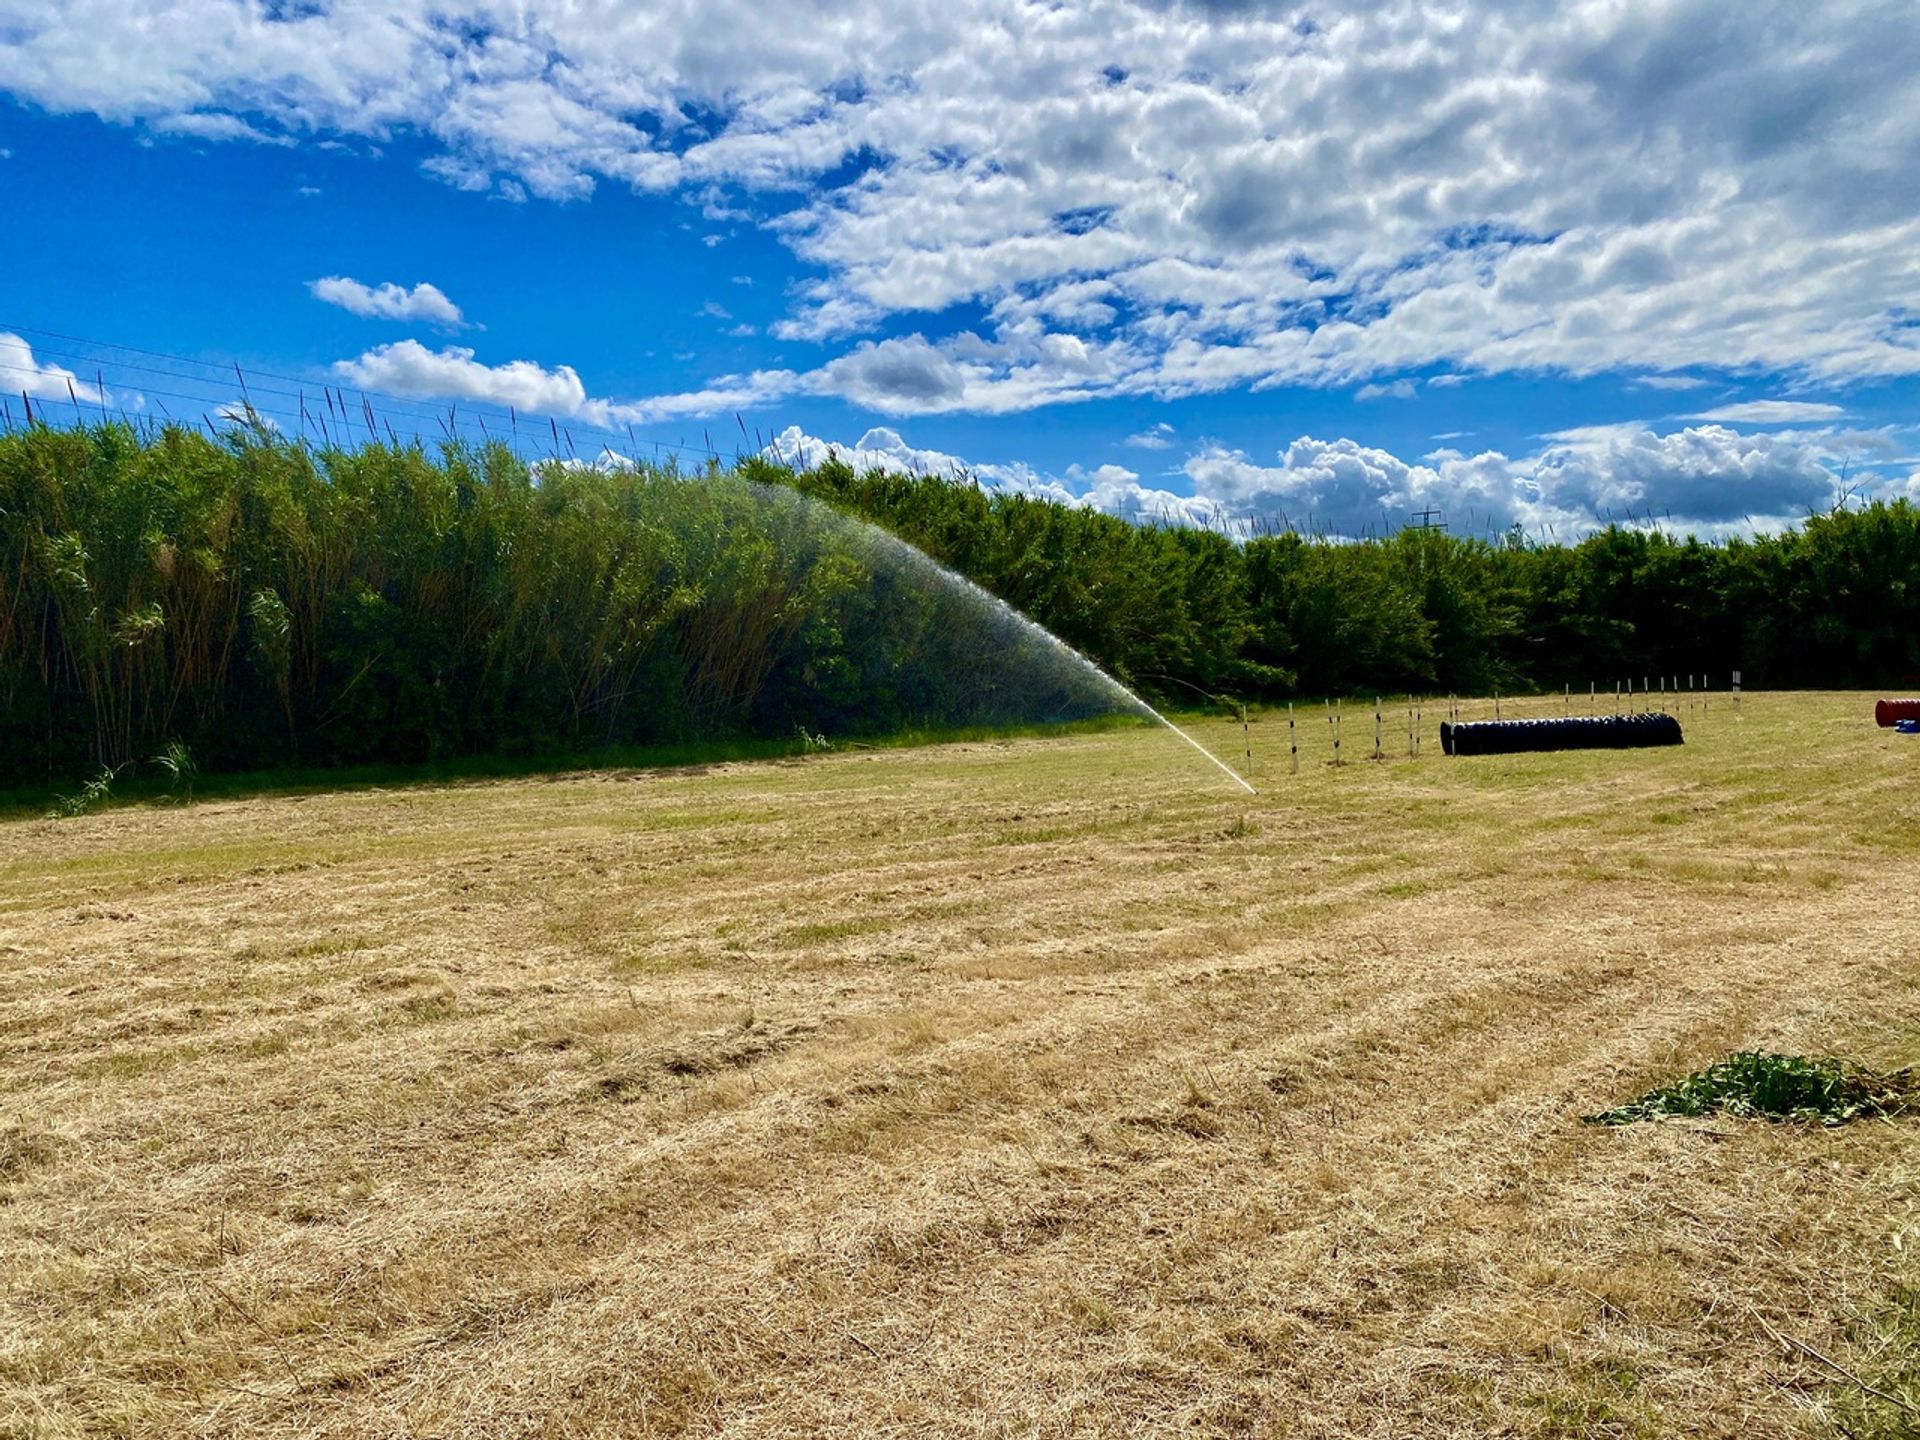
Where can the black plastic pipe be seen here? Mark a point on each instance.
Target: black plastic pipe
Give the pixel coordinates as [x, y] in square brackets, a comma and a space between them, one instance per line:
[1575, 732]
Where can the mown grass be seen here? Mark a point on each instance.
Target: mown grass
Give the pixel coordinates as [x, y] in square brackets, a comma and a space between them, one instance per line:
[1880, 1398]
[571, 1104]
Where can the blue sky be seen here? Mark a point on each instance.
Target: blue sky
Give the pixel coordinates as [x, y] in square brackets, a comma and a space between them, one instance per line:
[1524, 265]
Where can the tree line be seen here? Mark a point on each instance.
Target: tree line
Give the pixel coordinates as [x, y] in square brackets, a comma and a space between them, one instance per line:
[1833, 602]
[265, 604]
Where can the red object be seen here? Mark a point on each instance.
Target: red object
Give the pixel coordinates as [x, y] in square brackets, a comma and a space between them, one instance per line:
[1887, 712]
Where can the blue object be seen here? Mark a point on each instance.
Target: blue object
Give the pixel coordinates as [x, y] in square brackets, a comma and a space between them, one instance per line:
[1907, 727]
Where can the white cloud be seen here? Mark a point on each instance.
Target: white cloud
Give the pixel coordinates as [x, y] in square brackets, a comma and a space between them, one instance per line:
[882, 448]
[1208, 196]
[1395, 390]
[1671, 382]
[911, 375]
[386, 302]
[1155, 437]
[408, 368]
[899, 375]
[1597, 434]
[1337, 487]
[217, 126]
[21, 374]
[1706, 479]
[1773, 412]
[1709, 479]
[726, 394]
[1110, 488]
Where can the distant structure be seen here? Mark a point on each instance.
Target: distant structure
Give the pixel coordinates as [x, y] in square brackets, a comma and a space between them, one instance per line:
[1428, 519]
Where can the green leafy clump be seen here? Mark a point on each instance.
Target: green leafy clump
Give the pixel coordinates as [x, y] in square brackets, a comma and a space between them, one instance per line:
[175, 762]
[96, 790]
[1754, 1084]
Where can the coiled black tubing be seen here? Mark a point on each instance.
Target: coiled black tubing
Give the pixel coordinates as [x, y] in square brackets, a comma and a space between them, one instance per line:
[1575, 732]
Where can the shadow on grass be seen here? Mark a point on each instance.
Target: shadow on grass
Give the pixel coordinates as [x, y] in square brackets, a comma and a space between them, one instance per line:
[155, 789]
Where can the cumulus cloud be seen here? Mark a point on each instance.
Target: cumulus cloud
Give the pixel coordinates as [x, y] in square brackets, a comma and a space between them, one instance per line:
[1207, 196]
[899, 375]
[880, 448]
[22, 374]
[389, 301]
[1154, 437]
[1113, 489]
[1706, 479]
[408, 368]
[883, 448]
[1019, 370]
[1342, 487]
[725, 395]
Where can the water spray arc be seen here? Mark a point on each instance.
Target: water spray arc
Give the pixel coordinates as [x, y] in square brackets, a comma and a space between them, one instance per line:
[1223, 766]
[911, 557]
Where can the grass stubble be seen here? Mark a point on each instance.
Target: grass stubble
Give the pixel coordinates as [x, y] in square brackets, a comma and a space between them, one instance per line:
[1038, 1088]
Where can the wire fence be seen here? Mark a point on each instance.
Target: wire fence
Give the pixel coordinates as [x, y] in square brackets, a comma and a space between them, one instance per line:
[108, 380]
[145, 387]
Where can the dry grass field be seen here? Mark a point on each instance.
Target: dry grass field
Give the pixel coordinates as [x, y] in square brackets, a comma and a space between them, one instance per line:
[1042, 1088]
